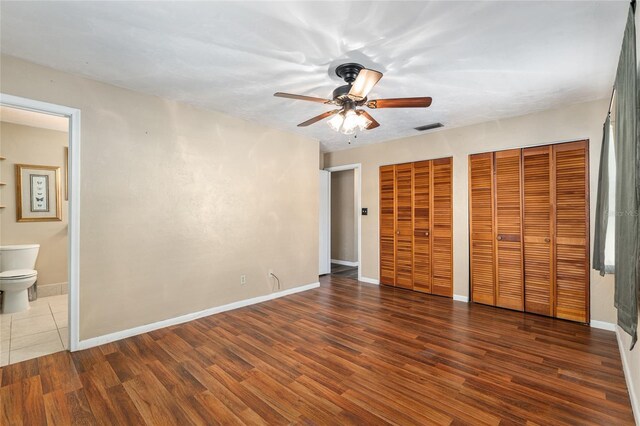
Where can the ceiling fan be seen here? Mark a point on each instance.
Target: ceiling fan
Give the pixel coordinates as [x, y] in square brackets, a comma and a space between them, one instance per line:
[347, 118]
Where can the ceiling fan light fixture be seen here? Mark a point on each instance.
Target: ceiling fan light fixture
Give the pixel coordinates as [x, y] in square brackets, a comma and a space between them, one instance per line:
[336, 122]
[350, 123]
[347, 122]
[363, 122]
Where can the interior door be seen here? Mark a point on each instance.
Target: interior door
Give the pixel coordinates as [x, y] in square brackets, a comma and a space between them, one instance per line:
[481, 228]
[571, 162]
[421, 226]
[538, 230]
[387, 225]
[404, 225]
[508, 213]
[442, 227]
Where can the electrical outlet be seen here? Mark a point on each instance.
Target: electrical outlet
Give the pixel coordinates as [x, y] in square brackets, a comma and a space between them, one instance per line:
[243, 279]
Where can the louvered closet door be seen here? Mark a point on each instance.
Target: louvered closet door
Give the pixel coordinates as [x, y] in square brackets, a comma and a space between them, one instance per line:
[508, 249]
[481, 228]
[572, 230]
[387, 225]
[442, 227]
[404, 225]
[538, 230]
[421, 226]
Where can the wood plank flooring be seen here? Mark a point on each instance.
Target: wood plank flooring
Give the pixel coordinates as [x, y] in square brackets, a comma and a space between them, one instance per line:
[346, 353]
[344, 271]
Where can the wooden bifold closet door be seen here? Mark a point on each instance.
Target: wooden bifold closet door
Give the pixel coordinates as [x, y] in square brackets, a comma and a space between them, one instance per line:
[387, 225]
[481, 234]
[538, 230]
[442, 227]
[571, 264]
[416, 224]
[507, 220]
[422, 235]
[534, 202]
[404, 225]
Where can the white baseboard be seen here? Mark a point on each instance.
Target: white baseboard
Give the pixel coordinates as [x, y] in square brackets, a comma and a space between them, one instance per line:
[369, 280]
[344, 262]
[460, 298]
[624, 354]
[112, 337]
[602, 325]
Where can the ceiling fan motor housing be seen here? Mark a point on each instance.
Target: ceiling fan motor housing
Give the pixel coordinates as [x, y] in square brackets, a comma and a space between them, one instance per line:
[341, 92]
[348, 72]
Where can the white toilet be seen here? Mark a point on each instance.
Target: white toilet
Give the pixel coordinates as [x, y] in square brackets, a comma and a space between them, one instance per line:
[17, 274]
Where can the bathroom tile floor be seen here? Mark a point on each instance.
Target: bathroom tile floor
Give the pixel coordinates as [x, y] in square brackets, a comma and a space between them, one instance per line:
[41, 330]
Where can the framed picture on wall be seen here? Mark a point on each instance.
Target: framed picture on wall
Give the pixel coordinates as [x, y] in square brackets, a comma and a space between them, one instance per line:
[38, 195]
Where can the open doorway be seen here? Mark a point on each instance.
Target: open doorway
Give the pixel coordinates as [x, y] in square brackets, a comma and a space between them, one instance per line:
[39, 229]
[345, 221]
[33, 239]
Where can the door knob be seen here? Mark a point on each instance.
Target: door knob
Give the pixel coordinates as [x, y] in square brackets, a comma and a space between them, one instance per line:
[547, 240]
[499, 238]
[397, 232]
[426, 234]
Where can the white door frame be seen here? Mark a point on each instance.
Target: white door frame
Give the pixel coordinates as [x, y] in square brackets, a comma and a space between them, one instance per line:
[357, 169]
[325, 219]
[74, 200]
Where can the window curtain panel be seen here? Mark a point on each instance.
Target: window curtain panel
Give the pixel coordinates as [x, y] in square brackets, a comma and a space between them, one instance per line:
[626, 140]
[602, 203]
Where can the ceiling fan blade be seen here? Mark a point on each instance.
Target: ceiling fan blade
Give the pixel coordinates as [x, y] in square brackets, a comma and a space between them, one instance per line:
[400, 103]
[318, 118]
[373, 124]
[302, 98]
[364, 83]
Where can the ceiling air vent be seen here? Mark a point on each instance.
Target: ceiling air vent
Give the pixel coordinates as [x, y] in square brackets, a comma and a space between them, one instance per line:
[429, 127]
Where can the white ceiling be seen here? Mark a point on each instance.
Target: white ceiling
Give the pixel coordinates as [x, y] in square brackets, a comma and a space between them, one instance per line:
[33, 119]
[479, 61]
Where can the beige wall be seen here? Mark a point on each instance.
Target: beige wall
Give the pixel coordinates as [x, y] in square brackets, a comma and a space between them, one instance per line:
[582, 121]
[177, 202]
[30, 145]
[343, 218]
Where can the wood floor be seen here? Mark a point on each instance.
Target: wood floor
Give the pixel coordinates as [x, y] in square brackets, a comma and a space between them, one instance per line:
[345, 353]
[344, 271]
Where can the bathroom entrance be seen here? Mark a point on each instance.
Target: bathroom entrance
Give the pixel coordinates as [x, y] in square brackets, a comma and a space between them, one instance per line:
[34, 231]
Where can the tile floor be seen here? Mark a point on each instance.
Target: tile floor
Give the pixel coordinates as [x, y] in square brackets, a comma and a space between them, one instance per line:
[41, 330]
